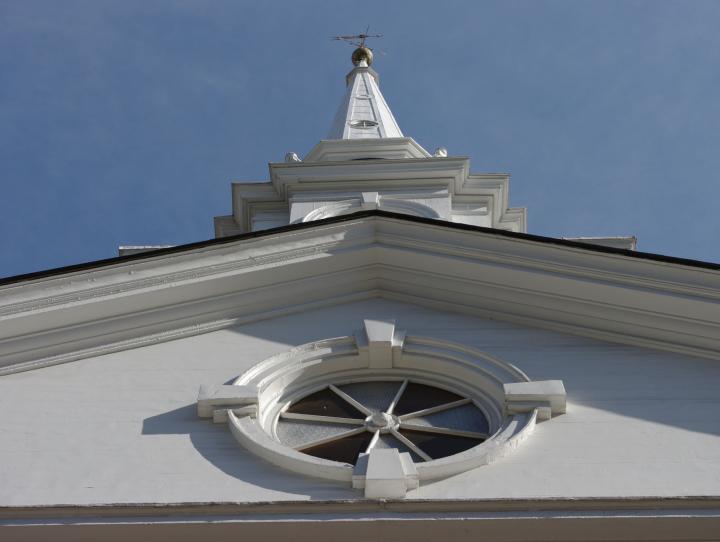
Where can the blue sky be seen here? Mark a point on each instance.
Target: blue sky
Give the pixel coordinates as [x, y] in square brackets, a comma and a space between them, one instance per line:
[125, 122]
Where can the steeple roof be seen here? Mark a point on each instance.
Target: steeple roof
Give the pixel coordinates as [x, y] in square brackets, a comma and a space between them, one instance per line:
[364, 113]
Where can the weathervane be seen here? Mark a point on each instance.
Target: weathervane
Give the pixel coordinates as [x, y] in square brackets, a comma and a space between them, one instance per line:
[363, 52]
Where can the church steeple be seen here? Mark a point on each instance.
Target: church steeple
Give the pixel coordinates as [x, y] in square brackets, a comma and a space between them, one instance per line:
[363, 113]
[367, 163]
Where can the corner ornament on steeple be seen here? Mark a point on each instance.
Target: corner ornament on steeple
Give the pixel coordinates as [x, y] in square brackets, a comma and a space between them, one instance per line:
[363, 113]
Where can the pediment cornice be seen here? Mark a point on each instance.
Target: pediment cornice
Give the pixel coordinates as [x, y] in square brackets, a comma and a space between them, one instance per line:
[559, 285]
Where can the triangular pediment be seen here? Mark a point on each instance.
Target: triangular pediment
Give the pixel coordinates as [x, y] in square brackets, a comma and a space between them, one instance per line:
[600, 292]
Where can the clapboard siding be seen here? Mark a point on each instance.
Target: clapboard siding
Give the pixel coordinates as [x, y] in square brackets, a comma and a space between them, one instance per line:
[123, 427]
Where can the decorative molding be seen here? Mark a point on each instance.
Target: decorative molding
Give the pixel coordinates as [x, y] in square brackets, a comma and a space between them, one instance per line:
[366, 201]
[385, 474]
[380, 342]
[548, 397]
[379, 351]
[655, 506]
[388, 148]
[132, 303]
[646, 519]
[364, 166]
[408, 207]
[212, 397]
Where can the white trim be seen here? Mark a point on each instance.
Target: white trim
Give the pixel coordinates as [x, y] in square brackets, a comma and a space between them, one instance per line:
[410, 444]
[399, 393]
[350, 400]
[396, 168]
[608, 296]
[435, 409]
[394, 148]
[251, 436]
[385, 203]
[321, 419]
[444, 431]
[284, 378]
[331, 438]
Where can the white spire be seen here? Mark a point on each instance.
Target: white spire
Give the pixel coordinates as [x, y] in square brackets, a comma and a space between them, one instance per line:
[363, 113]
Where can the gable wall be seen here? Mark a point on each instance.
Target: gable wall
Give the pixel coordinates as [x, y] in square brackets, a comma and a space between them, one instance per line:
[123, 427]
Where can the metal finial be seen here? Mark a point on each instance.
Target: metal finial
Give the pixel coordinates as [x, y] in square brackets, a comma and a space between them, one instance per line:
[358, 40]
[360, 54]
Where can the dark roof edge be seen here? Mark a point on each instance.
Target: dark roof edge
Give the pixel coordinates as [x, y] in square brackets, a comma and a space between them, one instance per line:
[347, 218]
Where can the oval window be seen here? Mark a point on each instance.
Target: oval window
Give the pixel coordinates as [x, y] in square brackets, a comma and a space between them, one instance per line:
[363, 123]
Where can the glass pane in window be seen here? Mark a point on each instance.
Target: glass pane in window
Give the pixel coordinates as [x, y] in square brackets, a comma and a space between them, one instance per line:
[389, 441]
[419, 397]
[376, 396]
[437, 445]
[296, 432]
[465, 418]
[345, 450]
[325, 403]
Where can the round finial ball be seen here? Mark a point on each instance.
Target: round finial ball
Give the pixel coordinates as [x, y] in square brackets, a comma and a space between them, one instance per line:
[360, 54]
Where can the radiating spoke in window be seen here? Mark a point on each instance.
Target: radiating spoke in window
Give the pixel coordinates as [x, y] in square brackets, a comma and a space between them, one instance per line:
[359, 406]
[376, 397]
[438, 445]
[330, 439]
[434, 409]
[300, 433]
[398, 396]
[443, 431]
[373, 442]
[340, 422]
[464, 417]
[388, 440]
[418, 397]
[410, 444]
[321, 419]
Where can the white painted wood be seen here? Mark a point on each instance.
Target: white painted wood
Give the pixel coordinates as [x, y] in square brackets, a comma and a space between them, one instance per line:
[433, 410]
[363, 113]
[211, 396]
[334, 176]
[608, 296]
[486, 314]
[252, 437]
[386, 148]
[362, 408]
[321, 419]
[380, 336]
[412, 477]
[410, 444]
[372, 443]
[521, 396]
[543, 408]
[313, 366]
[332, 438]
[397, 397]
[370, 200]
[640, 422]
[220, 415]
[385, 477]
[443, 430]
